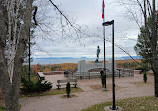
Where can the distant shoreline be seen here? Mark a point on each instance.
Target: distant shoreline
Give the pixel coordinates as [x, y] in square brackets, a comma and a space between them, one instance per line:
[51, 61]
[59, 60]
[117, 58]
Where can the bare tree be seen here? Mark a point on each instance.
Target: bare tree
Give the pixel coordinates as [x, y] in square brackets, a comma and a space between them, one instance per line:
[15, 22]
[148, 10]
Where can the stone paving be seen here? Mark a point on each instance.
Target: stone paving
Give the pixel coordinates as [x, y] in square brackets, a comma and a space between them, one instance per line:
[89, 96]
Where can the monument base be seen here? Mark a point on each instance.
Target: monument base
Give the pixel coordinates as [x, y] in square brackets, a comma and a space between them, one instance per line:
[107, 108]
[84, 68]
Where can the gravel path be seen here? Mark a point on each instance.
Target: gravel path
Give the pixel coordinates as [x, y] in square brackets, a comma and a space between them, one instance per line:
[89, 96]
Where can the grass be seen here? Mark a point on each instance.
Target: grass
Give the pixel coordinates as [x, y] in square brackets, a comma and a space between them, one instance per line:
[52, 92]
[2, 108]
[148, 103]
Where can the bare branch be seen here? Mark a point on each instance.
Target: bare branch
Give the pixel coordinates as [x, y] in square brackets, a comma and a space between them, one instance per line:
[118, 46]
[136, 20]
[71, 24]
[34, 15]
[149, 7]
[140, 6]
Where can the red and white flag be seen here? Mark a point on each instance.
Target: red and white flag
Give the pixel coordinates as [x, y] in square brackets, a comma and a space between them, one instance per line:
[103, 6]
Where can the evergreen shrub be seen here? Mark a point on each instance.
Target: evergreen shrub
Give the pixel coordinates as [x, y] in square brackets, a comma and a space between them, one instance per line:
[68, 89]
[37, 87]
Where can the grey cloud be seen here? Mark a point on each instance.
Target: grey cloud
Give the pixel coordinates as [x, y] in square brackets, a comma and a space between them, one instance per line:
[86, 12]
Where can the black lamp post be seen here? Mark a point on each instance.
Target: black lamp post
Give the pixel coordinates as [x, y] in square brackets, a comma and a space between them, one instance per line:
[113, 107]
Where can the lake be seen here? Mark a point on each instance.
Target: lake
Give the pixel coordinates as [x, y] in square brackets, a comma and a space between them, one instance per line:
[61, 60]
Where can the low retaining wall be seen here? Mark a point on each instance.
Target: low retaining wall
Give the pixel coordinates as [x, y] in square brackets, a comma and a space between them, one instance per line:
[53, 72]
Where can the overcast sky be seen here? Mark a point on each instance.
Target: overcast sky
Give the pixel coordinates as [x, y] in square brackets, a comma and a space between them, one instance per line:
[87, 15]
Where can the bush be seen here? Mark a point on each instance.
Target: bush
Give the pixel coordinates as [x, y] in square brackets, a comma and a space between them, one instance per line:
[37, 87]
[68, 89]
[145, 77]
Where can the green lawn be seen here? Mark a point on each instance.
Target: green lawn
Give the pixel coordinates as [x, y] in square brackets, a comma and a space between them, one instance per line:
[148, 103]
[52, 92]
[2, 108]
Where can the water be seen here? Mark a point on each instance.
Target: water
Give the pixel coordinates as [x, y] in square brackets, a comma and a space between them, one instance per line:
[61, 60]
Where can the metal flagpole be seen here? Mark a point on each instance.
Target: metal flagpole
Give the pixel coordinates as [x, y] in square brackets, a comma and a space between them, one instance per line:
[105, 88]
[29, 59]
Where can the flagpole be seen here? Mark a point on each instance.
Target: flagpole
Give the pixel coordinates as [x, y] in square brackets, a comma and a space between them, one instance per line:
[103, 16]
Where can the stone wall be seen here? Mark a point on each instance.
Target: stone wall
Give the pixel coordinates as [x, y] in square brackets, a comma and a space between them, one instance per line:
[85, 67]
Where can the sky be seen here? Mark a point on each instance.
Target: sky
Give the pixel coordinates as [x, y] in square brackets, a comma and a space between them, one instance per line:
[52, 41]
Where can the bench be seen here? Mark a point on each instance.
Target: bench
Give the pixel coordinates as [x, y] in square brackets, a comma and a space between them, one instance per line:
[64, 82]
[41, 76]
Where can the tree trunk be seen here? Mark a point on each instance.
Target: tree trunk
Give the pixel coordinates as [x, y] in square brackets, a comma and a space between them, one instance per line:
[156, 83]
[11, 99]
[11, 89]
[154, 48]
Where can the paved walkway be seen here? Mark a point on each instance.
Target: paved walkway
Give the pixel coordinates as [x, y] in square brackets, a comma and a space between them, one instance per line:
[89, 96]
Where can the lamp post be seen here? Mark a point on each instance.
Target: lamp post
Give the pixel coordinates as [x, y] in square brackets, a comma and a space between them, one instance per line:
[113, 107]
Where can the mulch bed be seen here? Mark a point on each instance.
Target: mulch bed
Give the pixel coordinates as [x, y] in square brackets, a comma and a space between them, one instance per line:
[71, 96]
[141, 83]
[109, 86]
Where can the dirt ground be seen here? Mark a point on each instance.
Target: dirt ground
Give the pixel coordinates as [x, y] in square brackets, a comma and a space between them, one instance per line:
[126, 87]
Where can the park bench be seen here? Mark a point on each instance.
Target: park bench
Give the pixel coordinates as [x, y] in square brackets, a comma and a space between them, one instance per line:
[64, 82]
[41, 76]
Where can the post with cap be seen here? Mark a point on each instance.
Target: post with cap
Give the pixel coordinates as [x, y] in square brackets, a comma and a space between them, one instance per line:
[113, 107]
